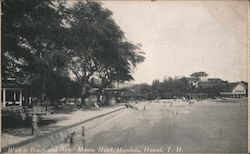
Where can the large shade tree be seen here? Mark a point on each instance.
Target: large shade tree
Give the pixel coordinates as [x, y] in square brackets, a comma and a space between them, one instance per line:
[98, 48]
[32, 43]
[48, 41]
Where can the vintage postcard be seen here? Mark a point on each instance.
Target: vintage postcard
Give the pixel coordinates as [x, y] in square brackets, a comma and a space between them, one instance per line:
[92, 76]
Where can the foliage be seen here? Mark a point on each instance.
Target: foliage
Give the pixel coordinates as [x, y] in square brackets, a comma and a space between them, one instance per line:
[32, 43]
[45, 42]
[99, 49]
[171, 88]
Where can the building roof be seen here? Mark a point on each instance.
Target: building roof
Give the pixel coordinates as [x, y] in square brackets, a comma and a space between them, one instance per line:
[245, 83]
[95, 90]
[199, 74]
[114, 89]
[11, 84]
[214, 79]
[230, 86]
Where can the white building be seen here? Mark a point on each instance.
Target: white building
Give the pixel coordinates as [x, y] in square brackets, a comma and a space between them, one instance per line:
[235, 90]
[199, 76]
[11, 93]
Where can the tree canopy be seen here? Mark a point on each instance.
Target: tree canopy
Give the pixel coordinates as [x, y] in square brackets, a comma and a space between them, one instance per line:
[176, 88]
[46, 44]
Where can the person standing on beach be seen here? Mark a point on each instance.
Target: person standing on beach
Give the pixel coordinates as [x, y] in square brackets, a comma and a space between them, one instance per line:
[83, 137]
[34, 130]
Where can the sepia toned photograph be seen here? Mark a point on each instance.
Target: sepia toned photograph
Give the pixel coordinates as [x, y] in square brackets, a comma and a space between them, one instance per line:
[127, 76]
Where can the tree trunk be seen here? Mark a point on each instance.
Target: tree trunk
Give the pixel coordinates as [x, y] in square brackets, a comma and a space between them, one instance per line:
[83, 95]
[100, 96]
[107, 100]
[83, 103]
[98, 99]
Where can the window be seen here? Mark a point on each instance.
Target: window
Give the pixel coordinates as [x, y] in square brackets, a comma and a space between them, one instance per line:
[9, 95]
[17, 96]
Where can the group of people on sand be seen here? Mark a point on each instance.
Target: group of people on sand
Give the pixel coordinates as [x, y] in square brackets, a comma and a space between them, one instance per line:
[130, 105]
[70, 138]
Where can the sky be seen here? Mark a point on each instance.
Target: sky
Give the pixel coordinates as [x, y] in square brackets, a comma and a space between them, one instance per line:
[182, 37]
